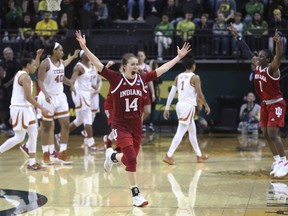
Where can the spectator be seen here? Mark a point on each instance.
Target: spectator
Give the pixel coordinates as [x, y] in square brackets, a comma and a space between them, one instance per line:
[26, 30]
[30, 6]
[185, 28]
[280, 24]
[141, 6]
[14, 15]
[249, 115]
[11, 67]
[227, 7]
[163, 35]
[252, 7]
[42, 7]
[46, 29]
[98, 13]
[220, 35]
[203, 32]
[117, 9]
[155, 6]
[257, 32]
[172, 11]
[239, 26]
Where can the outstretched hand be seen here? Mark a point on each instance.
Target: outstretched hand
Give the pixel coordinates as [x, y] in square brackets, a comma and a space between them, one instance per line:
[81, 39]
[277, 37]
[233, 30]
[184, 50]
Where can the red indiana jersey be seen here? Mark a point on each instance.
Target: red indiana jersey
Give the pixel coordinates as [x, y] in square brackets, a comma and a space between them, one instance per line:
[266, 86]
[128, 95]
[108, 104]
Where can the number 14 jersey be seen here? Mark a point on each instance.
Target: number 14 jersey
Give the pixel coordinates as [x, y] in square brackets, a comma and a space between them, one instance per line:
[128, 95]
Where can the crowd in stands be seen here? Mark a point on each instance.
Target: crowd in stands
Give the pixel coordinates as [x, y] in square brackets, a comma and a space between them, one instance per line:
[179, 20]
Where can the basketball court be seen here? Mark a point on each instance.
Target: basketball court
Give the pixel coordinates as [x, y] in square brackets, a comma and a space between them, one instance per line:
[234, 181]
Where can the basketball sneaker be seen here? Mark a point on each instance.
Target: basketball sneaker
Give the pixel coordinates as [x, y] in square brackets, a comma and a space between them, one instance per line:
[46, 158]
[139, 201]
[151, 127]
[63, 158]
[53, 155]
[277, 166]
[202, 158]
[107, 141]
[169, 160]
[25, 150]
[35, 167]
[108, 163]
[282, 171]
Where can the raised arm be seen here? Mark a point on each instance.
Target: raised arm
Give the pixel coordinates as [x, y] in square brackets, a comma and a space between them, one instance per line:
[275, 64]
[82, 42]
[39, 53]
[241, 43]
[71, 58]
[168, 65]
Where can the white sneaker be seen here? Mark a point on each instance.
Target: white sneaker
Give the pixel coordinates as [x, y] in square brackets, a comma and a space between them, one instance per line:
[108, 163]
[276, 167]
[282, 171]
[139, 201]
[273, 165]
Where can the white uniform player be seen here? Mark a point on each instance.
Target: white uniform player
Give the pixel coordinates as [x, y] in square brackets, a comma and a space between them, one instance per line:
[188, 86]
[23, 118]
[53, 83]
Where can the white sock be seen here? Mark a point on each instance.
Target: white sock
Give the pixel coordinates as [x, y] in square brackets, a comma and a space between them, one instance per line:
[31, 161]
[51, 148]
[45, 148]
[63, 147]
[277, 157]
[283, 159]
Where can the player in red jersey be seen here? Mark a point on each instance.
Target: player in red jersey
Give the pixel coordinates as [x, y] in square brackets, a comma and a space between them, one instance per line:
[273, 106]
[127, 90]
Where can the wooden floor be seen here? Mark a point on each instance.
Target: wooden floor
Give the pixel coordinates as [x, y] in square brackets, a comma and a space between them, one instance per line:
[234, 181]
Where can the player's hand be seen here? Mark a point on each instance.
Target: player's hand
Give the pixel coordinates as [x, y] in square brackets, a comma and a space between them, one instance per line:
[186, 48]
[44, 111]
[233, 30]
[76, 52]
[72, 89]
[39, 52]
[207, 110]
[153, 98]
[277, 37]
[166, 114]
[81, 39]
[48, 98]
[109, 64]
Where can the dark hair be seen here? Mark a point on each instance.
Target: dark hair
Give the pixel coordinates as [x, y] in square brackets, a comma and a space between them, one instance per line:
[26, 60]
[268, 54]
[126, 57]
[188, 62]
[50, 48]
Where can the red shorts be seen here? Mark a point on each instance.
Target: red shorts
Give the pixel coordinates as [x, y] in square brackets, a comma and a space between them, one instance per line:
[273, 115]
[126, 135]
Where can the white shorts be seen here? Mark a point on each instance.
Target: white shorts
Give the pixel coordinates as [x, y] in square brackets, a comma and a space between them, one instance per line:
[58, 106]
[82, 100]
[22, 117]
[185, 112]
[95, 103]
